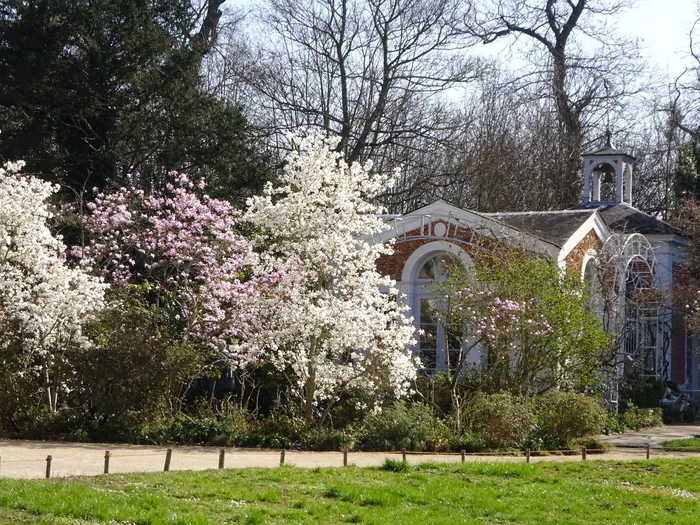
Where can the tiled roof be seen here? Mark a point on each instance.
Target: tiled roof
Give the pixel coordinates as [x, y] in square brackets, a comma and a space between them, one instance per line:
[555, 227]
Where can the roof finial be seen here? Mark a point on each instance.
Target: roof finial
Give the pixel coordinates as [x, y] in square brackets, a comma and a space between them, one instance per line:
[608, 140]
[608, 134]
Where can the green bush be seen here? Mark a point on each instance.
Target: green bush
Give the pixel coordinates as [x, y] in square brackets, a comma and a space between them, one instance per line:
[40, 423]
[223, 428]
[394, 465]
[501, 421]
[563, 417]
[283, 431]
[635, 392]
[331, 439]
[138, 372]
[403, 425]
[635, 418]
[280, 431]
[591, 443]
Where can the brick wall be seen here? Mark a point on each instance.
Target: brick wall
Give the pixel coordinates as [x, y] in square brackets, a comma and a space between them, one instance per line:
[392, 265]
[678, 328]
[574, 260]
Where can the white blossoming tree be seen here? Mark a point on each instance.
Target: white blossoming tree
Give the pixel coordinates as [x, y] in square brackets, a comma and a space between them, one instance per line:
[43, 301]
[334, 321]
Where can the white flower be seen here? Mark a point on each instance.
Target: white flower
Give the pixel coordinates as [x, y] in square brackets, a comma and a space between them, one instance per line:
[330, 321]
[42, 299]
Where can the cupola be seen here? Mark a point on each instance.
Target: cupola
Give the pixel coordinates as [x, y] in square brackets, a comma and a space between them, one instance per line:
[607, 165]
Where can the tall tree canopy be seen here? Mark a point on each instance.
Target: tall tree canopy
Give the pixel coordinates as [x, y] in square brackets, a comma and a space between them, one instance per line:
[99, 91]
[577, 56]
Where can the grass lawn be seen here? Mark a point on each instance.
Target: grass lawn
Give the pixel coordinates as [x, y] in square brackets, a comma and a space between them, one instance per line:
[658, 491]
[686, 445]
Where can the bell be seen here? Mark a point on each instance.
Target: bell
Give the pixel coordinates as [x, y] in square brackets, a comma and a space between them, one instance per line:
[608, 172]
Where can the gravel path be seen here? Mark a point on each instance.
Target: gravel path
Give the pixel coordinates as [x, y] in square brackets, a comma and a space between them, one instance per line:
[27, 459]
[652, 436]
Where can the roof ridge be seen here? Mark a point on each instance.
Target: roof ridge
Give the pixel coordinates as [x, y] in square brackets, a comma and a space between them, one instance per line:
[551, 212]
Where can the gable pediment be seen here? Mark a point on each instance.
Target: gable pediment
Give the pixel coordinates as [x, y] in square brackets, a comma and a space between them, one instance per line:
[441, 220]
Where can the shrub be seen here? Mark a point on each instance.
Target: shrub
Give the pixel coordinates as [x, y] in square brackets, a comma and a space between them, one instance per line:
[563, 417]
[403, 425]
[635, 418]
[591, 443]
[281, 431]
[284, 431]
[225, 428]
[139, 364]
[331, 439]
[635, 392]
[394, 465]
[501, 420]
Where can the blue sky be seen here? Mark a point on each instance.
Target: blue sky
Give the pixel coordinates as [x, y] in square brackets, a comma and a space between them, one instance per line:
[662, 26]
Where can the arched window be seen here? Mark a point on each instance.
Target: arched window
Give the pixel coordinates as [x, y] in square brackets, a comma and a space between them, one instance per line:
[642, 331]
[435, 345]
[589, 272]
[591, 280]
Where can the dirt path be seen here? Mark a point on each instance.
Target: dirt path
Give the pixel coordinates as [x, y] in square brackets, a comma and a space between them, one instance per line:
[27, 459]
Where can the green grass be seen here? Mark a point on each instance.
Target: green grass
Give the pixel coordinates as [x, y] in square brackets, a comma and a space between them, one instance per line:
[653, 492]
[685, 445]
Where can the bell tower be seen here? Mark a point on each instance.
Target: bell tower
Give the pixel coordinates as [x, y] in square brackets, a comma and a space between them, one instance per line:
[607, 165]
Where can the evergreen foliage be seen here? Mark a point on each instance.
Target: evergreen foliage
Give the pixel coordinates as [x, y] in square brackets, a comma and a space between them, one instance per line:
[95, 92]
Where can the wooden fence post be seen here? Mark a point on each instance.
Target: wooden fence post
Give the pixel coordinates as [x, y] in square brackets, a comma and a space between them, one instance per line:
[527, 455]
[283, 453]
[345, 457]
[168, 457]
[403, 455]
[463, 453]
[583, 453]
[107, 456]
[648, 450]
[222, 457]
[48, 466]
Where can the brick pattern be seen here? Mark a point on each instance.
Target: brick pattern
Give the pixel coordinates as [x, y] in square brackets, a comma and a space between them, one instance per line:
[574, 260]
[392, 265]
[678, 329]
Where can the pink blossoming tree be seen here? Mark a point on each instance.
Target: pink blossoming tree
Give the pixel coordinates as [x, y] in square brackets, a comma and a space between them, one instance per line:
[524, 328]
[530, 324]
[184, 247]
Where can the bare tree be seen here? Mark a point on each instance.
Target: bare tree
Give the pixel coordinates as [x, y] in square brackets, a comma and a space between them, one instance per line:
[656, 144]
[502, 153]
[376, 73]
[574, 51]
[682, 113]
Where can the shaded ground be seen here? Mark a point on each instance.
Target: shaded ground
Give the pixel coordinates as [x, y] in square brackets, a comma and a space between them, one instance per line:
[27, 459]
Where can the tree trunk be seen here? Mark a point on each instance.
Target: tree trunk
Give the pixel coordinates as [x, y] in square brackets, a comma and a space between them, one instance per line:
[570, 122]
[310, 385]
[309, 392]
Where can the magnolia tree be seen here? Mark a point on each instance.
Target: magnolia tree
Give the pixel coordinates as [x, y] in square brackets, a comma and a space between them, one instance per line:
[183, 247]
[43, 302]
[530, 326]
[334, 322]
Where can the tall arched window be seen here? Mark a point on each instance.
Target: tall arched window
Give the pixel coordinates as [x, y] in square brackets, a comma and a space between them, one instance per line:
[435, 345]
[643, 329]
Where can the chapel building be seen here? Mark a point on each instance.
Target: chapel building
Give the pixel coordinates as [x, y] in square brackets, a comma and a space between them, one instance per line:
[638, 253]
